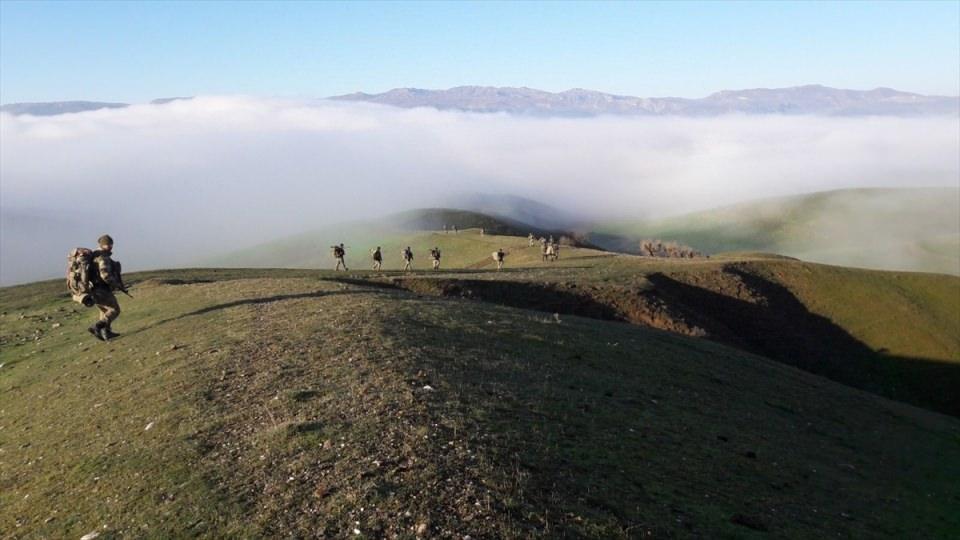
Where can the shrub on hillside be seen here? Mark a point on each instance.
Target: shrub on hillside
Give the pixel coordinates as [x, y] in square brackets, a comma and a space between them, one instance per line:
[659, 248]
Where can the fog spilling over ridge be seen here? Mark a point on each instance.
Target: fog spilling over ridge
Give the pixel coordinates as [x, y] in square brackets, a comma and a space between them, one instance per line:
[177, 181]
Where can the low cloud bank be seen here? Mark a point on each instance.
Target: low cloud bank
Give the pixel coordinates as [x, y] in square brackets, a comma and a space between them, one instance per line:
[177, 182]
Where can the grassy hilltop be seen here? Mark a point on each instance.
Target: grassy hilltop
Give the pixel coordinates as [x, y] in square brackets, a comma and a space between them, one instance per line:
[915, 229]
[420, 229]
[265, 402]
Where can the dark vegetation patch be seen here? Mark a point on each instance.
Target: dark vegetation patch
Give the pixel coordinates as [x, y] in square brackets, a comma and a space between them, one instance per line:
[436, 219]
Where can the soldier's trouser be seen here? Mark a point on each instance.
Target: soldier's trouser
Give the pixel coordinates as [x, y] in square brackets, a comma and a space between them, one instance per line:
[376, 265]
[340, 262]
[107, 303]
[436, 264]
[406, 265]
[499, 265]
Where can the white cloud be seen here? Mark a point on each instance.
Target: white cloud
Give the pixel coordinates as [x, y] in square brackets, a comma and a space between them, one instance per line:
[180, 180]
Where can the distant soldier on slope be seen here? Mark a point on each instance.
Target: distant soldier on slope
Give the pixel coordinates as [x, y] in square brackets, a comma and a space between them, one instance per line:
[435, 255]
[531, 240]
[377, 259]
[407, 259]
[339, 253]
[498, 256]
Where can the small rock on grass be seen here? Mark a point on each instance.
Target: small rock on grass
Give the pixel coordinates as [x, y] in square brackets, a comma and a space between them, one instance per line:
[90, 536]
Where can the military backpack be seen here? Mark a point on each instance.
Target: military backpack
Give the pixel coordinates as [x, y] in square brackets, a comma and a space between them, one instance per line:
[82, 275]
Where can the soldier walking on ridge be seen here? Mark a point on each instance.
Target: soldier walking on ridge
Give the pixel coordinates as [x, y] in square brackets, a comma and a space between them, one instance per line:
[435, 255]
[407, 259]
[377, 259]
[498, 256]
[92, 276]
[339, 253]
[531, 240]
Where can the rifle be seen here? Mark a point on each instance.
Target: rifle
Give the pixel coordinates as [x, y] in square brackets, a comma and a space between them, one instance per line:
[120, 286]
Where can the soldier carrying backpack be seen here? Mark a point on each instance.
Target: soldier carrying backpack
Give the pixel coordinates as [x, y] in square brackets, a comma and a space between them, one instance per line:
[377, 259]
[407, 258]
[435, 255]
[338, 253]
[92, 276]
[498, 256]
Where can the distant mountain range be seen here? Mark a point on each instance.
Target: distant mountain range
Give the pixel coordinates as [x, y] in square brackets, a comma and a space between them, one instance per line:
[53, 108]
[798, 100]
[810, 99]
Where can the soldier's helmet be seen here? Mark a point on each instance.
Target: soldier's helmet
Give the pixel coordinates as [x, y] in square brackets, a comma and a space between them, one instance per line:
[105, 240]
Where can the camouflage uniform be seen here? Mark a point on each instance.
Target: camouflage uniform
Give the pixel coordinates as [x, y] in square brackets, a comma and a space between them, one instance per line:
[377, 259]
[435, 255]
[102, 293]
[407, 259]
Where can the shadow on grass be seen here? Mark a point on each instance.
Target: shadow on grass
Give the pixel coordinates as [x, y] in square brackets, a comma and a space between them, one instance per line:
[251, 301]
[523, 295]
[780, 327]
[777, 326]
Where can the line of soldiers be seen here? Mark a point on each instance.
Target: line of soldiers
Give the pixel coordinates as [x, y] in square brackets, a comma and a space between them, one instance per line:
[549, 250]
[340, 252]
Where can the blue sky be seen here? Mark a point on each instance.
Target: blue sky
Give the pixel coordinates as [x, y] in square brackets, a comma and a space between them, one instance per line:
[138, 51]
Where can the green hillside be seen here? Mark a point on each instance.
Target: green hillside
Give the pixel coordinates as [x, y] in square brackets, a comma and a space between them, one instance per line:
[893, 229]
[542, 401]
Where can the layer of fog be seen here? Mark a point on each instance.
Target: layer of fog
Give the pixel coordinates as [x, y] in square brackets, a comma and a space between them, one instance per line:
[178, 182]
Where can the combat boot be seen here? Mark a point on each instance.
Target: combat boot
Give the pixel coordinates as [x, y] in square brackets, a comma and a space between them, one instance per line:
[97, 331]
[110, 334]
